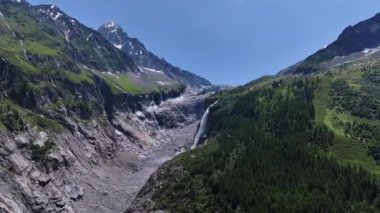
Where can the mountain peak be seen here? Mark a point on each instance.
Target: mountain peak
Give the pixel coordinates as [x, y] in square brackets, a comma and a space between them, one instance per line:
[145, 59]
[111, 24]
[354, 42]
[114, 33]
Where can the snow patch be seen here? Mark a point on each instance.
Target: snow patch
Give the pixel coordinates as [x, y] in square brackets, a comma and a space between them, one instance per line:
[113, 75]
[140, 114]
[88, 37]
[131, 45]
[153, 70]
[56, 16]
[370, 51]
[162, 83]
[139, 68]
[110, 24]
[118, 46]
[67, 35]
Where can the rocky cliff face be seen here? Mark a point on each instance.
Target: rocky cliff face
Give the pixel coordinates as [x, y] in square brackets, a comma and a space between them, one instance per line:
[145, 59]
[81, 125]
[96, 166]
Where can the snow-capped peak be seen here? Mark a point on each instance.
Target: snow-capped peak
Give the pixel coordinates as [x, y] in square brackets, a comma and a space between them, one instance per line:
[111, 24]
[52, 11]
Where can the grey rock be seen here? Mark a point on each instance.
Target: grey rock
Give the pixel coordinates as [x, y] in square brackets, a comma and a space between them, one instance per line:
[21, 141]
[19, 163]
[76, 192]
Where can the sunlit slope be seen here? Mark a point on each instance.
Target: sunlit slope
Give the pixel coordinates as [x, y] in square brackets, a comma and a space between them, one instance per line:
[281, 144]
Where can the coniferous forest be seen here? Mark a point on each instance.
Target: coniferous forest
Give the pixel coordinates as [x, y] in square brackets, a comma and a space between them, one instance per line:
[267, 153]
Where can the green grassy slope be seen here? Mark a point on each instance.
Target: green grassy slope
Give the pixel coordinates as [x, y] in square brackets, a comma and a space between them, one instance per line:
[50, 61]
[348, 103]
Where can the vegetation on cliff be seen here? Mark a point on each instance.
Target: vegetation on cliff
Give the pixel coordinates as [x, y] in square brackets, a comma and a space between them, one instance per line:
[284, 144]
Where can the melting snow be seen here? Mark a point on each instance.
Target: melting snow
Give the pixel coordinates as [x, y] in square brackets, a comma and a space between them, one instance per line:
[67, 35]
[113, 75]
[140, 114]
[162, 83]
[368, 52]
[131, 45]
[110, 24]
[153, 70]
[56, 16]
[88, 37]
[118, 46]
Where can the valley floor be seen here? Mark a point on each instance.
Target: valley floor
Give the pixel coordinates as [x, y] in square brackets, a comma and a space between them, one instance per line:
[136, 172]
[113, 188]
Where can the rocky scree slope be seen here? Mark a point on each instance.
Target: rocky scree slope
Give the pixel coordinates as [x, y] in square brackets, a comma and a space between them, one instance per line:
[73, 125]
[146, 60]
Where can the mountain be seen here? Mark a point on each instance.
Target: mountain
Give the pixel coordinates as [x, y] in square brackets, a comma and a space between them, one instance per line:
[305, 140]
[146, 60]
[354, 43]
[79, 118]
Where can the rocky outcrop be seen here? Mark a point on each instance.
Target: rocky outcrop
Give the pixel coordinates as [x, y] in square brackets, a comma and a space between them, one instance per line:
[97, 165]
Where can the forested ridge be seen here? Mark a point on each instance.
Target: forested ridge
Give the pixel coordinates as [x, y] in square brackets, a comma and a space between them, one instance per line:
[267, 153]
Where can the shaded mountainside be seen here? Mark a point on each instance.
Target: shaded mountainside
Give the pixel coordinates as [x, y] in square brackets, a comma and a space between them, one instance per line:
[146, 59]
[362, 38]
[287, 143]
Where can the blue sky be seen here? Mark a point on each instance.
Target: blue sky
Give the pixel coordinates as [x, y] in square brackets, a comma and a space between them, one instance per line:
[226, 41]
